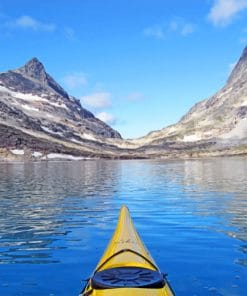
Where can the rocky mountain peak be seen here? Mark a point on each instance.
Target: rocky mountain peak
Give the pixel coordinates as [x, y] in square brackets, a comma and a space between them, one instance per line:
[34, 69]
[239, 73]
[31, 99]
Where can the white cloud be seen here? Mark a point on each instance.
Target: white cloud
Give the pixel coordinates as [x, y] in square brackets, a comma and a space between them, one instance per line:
[75, 80]
[97, 100]
[223, 11]
[161, 31]
[135, 96]
[27, 22]
[106, 117]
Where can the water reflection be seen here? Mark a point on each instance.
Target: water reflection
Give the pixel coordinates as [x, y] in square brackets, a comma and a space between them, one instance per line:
[42, 202]
[225, 187]
[63, 213]
[216, 188]
[217, 174]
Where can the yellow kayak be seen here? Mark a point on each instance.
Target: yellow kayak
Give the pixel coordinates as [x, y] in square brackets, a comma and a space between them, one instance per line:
[126, 268]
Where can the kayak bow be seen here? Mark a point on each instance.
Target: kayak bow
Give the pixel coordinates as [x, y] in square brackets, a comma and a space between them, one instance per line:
[126, 268]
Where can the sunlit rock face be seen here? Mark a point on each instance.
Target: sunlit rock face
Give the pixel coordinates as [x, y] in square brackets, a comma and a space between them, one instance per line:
[219, 121]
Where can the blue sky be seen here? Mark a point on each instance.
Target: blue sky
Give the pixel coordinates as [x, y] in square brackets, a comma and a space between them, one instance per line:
[139, 65]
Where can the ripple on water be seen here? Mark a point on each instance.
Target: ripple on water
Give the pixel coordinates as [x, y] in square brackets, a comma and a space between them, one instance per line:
[56, 219]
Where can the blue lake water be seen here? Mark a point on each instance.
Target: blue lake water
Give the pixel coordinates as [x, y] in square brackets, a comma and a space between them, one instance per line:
[56, 219]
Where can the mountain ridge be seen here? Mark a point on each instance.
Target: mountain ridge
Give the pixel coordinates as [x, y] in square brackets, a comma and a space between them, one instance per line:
[41, 118]
[34, 104]
[35, 70]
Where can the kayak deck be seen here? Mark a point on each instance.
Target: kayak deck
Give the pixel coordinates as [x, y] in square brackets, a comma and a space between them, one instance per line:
[126, 267]
[130, 292]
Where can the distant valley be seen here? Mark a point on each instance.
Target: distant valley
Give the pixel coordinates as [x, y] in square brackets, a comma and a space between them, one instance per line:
[39, 120]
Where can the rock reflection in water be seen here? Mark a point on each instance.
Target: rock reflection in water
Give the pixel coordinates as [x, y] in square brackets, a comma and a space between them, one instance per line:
[225, 187]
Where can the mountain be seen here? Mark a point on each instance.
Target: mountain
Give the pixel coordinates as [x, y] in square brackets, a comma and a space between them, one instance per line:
[37, 114]
[217, 125]
[40, 120]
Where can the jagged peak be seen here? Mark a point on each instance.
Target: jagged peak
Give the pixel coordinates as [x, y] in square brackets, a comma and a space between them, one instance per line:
[244, 54]
[34, 60]
[34, 69]
[240, 68]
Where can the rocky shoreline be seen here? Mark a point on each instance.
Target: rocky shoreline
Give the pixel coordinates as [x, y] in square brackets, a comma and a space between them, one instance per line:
[27, 155]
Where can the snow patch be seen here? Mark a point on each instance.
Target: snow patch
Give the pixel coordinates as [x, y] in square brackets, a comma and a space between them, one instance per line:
[4, 89]
[26, 97]
[49, 115]
[17, 151]
[76, 141]
[191, 138]
[59, 105]
[46, 129]
[64, 156]
[88, 136]
[37, 154]
[33, 98]
[30, 108]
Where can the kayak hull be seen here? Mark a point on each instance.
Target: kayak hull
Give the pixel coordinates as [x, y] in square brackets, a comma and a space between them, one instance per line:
[126, 267]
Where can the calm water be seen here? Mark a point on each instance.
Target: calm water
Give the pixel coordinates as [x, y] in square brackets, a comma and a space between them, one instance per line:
[56, 219]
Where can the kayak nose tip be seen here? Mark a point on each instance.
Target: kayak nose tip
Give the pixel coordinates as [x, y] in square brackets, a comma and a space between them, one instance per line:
[124, 208]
